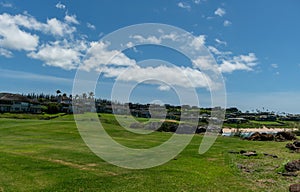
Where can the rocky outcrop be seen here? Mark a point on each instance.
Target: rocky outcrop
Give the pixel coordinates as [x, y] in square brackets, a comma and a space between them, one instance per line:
[293, 166]
[295, 147]
[285, 136]
[294, 188]
[261, 137]
[280, 136]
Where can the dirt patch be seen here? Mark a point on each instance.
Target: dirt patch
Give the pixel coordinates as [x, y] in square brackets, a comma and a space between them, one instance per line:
[87, 167]
[70, 164]
[212, 159]
[169, 120]
[269, 181]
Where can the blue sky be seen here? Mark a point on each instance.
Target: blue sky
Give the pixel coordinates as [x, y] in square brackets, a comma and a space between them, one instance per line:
[255, 44]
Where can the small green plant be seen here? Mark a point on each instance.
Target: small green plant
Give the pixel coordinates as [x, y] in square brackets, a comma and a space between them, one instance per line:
[281, 168]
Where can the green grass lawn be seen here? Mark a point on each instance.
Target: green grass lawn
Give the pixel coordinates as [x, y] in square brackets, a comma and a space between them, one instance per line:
[49, 155]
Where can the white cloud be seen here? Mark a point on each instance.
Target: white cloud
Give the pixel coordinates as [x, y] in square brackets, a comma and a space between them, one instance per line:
[176, 76]
[217, 52]
[221, 42]
[220, 12]
[115, 64]
[149, 39]
[91, 26]
[22, 20]
[250, 58]
[16, 34]
[12, 37]
[5, 53]
[198, 42]
[230, 66]
[184, 5]
[275, 66]
[241, 62]
[59, 5]
[197, 1]
[7, 5]
[132, 46]
[60, 54]
[129, 45]
[214, 50]
[226, 63]
[98, 56]
[205, 63]
[155, 39]
[227, 23]
[164, 88]
[59, 28]
[71, 19]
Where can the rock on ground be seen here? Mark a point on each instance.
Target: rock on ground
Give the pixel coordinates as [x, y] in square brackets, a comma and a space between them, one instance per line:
[294, 188]
[293, 166]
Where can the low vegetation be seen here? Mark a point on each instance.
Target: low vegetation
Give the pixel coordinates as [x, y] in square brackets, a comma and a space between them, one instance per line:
[39, 155]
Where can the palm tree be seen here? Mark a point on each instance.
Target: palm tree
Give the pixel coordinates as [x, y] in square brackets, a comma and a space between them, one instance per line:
[58, 91]
[84, 95]
[91, 95]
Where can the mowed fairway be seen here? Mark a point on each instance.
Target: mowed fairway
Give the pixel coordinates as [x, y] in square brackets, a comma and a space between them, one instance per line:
[49, 155]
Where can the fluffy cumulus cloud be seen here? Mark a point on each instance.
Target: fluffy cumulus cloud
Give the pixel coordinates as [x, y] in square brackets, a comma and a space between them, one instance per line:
[17, 32]
[220, 12]
[154, 39]
[174, 75]
[225, 61]
[198, 42]
[149, 39]
[56, 27]
[98, 55]
[5, 53]
[71, 19]
[164, 88]
[241, 62]
[115, 64]
[12, 37]
[60, 54]
[70, 51]
[205, 63]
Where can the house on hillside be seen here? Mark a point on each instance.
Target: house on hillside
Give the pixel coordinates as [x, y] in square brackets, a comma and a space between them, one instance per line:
[17, 103]
[66, 104]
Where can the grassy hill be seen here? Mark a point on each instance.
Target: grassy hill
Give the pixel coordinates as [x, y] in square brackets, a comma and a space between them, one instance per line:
[49, 155]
